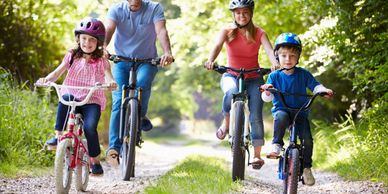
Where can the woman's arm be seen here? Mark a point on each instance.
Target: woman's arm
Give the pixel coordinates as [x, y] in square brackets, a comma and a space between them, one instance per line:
[217, 48]
[269, 51]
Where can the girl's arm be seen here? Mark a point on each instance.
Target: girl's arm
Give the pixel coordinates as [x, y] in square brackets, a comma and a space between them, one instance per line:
[269, 50]
[53, 76]
[109, 77]
[217, 49]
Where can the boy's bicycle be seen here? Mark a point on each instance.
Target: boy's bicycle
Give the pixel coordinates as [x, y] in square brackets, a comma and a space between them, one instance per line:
[290, 168]
[72, 152]
[130, 111]
[239, 133]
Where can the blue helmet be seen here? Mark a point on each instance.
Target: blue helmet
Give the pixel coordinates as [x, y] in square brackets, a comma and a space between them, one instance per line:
[288, 39]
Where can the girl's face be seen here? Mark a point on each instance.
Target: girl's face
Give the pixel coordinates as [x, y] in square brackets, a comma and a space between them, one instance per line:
[242, 15]
[288, 57]
[88, 43]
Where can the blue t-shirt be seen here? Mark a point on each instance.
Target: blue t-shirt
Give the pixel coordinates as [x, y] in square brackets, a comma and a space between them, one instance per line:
[135, 34]
[296, 83]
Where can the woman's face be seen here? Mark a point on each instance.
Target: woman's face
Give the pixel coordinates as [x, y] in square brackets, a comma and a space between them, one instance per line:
[88, 43]
[242, 15]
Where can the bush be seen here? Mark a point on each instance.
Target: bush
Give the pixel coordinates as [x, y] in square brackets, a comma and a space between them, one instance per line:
[26, 120]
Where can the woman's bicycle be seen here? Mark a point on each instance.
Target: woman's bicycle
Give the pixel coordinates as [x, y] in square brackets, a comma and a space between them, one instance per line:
[290, 168]
[72, 152]
[239, 133]
[130, 134]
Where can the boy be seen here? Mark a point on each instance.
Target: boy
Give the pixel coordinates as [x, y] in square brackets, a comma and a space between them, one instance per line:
[292, 79]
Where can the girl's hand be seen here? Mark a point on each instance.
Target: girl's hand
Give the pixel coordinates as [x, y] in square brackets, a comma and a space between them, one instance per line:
[42, 80]
[112, 85]
[209, 65]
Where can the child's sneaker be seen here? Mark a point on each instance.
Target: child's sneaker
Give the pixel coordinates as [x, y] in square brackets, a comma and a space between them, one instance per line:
[275, 151]
[308, 177]
[97, 169]
[52, 143]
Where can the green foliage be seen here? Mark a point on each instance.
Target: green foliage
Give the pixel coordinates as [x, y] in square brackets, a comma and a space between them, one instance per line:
[25, 123]
[208, 172]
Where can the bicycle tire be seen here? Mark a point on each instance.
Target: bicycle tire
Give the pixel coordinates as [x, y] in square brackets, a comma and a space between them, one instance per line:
[82, 170]
[238, 149]
[292, 171]
[63, 172]
[129, 143]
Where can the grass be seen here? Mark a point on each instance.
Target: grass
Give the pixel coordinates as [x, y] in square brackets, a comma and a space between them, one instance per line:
[196, 174]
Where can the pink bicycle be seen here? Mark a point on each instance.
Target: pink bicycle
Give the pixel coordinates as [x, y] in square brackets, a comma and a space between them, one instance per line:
[72, 152]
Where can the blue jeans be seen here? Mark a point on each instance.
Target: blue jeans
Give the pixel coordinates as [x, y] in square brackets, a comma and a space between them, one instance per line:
[91, 115]
[145, 75]
[229, 87]
[282, 119]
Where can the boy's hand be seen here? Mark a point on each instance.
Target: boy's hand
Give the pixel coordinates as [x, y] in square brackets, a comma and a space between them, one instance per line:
[330, 93]
[264, 87]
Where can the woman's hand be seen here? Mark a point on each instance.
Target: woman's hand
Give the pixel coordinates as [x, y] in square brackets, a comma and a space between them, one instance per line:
[209, 65]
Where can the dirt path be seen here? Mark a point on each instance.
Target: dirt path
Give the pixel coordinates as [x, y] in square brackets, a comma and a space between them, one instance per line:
[154, 160]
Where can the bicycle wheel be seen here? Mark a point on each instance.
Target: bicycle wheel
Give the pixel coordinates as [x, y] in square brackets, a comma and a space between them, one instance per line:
[63, 172]
[82, 170]
[292, 171]
[238, 149]
[129, 143]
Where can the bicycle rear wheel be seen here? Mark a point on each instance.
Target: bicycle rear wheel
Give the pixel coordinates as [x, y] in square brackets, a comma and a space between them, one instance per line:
[292, 172]
[238, 149]
[129, 143]
[63, 172]
[82, 170]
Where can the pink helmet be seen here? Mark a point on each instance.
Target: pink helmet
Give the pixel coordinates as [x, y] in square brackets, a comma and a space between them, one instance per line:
[92, 27]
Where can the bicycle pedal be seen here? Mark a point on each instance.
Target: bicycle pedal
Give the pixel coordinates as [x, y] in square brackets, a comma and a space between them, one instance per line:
[269, 156]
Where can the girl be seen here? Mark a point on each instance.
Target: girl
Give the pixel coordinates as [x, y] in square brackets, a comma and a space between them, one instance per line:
[243, 40]
[86, 66]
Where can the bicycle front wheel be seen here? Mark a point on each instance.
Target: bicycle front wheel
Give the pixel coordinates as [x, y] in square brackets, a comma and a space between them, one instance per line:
[82, 169]
[292, 172]
[129, 144]
[238, 149]
[62, 169]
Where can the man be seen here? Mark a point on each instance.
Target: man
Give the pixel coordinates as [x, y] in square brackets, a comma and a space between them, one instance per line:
[135, 24]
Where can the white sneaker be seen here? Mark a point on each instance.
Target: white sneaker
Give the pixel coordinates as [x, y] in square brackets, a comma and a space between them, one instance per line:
[308, 177]
[275, 151]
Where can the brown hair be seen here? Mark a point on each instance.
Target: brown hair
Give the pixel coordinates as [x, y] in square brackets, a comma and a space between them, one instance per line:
[250, 33]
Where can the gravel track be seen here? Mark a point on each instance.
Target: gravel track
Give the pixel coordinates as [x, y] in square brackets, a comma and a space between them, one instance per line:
[154, 160]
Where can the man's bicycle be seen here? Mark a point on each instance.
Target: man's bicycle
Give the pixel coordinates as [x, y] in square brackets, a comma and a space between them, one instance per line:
[290, 168]
[72, 152]
[239, 133]
[130, 134]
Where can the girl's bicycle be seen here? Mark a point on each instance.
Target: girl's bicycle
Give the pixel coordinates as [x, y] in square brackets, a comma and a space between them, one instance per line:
[290, 168]
[239, 133]
[72, 152]
[130, 111]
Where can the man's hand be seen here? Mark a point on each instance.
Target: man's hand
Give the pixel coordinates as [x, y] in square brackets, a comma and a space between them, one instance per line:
[166, 60]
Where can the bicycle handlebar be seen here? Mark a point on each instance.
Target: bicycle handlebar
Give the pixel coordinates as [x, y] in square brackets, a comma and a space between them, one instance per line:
[116, 58]
[305, 106]
[73, 102]
[222, 69]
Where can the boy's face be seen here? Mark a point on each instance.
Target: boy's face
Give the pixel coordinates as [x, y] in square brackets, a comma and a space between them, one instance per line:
[288, 57]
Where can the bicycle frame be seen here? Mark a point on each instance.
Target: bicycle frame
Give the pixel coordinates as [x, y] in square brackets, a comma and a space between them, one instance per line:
[239, 120]
[130, 111]
[283, 169]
